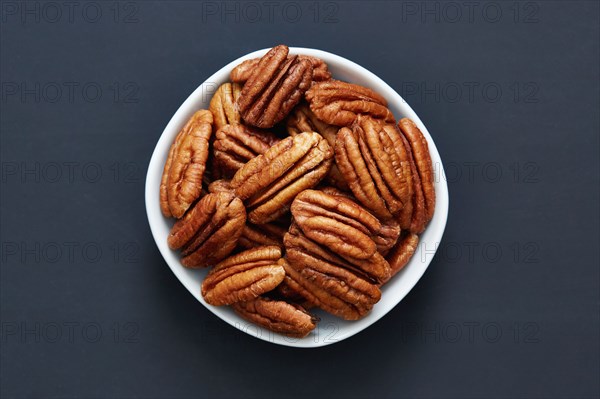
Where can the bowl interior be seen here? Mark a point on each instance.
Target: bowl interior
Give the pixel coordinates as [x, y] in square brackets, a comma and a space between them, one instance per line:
[331, 329]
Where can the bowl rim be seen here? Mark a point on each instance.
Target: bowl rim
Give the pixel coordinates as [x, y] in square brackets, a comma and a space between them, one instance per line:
[433, 232]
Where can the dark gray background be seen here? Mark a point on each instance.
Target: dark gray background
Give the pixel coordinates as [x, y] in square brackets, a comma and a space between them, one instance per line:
[508, 308]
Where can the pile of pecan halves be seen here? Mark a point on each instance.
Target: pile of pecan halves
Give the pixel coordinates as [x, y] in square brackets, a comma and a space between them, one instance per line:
[302, 191]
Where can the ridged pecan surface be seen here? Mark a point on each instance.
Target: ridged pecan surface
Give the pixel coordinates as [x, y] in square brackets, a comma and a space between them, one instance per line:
[343, 227]
[265, 234]
[339, 103]
[399, 256]
[222, 105]
[274, 87]
[285, 318]
[373, 159]
[302, 119]
[235, 145]
[242, 72]
[424, 189]
[181, 182]
[325, 280]
[244, 276]
[269, 182]
[209, 231]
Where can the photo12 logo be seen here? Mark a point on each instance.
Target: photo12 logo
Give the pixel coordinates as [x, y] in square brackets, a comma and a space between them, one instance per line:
[270, 12]
[469, 12]
[471, 92]
[470, 332]
[70, 172]
[72, 332]
[69, 12]
[69, 252]
[69, 92]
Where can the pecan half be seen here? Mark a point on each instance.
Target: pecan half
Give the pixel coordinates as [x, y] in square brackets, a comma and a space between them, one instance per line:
[242, 72]
[279, 316]
[319, 278]
[209, 231]
[264, 234]
[386, 237]
[268, 183]
[275, 86]
[339, 103]
[237, 144]
[302, 119]
[344, 227]
[373, 159]
[424, 167]
[414, 215]
[292, 292]
[222, 105]
[401, 253]
[181, 182]
[244, 276]
[220, 186]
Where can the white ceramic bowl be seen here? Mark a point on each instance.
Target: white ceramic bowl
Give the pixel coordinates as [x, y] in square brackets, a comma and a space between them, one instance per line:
[330, 329]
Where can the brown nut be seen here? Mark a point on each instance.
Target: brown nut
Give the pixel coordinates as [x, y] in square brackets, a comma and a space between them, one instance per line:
[244, 276]
[278, 316]
[209, 231]
[386, 237]
[275, 86]
[424, 167]
[222, 105]
[220, 186]
[181, 182]
[320, 277]
[373, 159]
[401, 253]
[343, 227]
[242, 72]
[292, 292]
[235, 145]
[302, 119]
[265, 234]
[413, 216]
[339, 103]
[268, 183]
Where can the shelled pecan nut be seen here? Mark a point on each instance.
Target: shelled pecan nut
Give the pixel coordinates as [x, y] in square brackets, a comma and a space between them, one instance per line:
[424, 166]
[268, 183]
[235, 145]
[244, 276]
[373, 159]
[264, 234]
[209, 231]
[274, 87]
[242, 72]
[222, 105]
[220, 186]
[291, 291]
[181, 182]
[401, 253]
[339, 103]
[361, 232]
[330, 236]
[414, 215]
[279, 316]
[386, 237]
[326, 284]
[302, 119]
